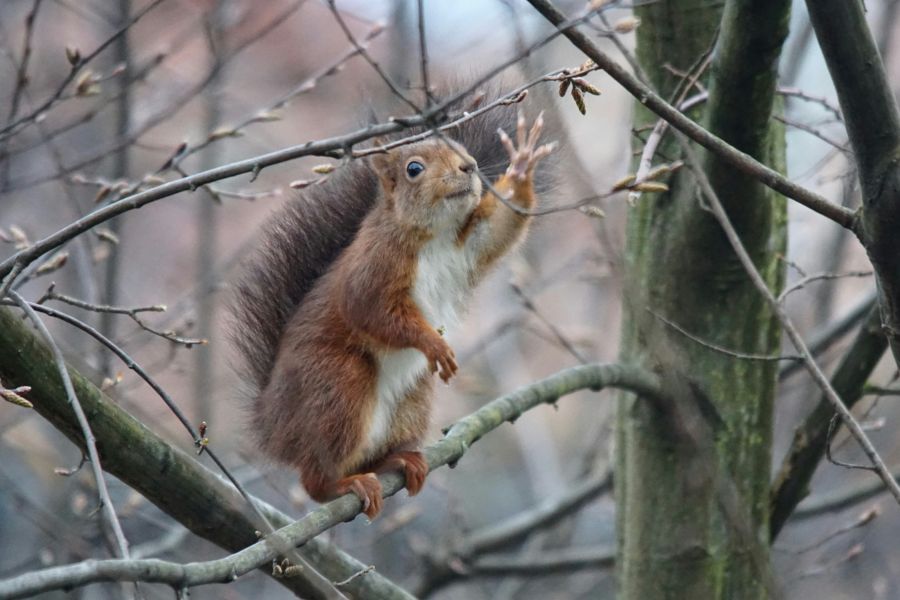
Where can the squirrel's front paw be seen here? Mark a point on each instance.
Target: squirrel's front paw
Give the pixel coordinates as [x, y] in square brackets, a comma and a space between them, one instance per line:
[441, 358]
[524, 159]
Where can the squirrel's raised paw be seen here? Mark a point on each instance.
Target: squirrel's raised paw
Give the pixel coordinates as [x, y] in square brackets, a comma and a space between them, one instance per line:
[524, 159]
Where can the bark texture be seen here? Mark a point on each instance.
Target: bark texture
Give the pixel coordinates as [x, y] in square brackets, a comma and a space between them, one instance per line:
[681, 267]
[165, 475]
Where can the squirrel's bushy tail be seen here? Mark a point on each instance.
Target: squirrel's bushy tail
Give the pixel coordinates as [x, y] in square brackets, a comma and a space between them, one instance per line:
[301, 240]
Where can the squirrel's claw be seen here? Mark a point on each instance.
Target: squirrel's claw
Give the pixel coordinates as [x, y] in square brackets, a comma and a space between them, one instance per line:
[536, 129]
[368, 489]
[507, 143]
[441, 359]
[520, 130]
[448, 368]
[415, 469]
[545, 150]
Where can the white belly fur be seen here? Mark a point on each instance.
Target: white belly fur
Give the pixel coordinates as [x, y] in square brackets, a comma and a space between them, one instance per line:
[440, 289]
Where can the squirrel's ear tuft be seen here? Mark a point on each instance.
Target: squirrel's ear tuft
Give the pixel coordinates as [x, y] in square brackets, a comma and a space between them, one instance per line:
[383, 165]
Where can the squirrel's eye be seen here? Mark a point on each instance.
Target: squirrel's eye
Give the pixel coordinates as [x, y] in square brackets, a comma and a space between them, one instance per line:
[414, 169]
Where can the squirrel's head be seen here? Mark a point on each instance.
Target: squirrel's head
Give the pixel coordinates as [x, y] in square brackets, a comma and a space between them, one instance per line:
[430, 184]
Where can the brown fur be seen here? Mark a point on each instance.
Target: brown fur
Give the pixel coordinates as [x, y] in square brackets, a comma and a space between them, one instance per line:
[303, 239]
[317, 404]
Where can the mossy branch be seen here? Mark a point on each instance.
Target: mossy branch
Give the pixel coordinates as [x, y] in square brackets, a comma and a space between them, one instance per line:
[165, 475]
[212, 509]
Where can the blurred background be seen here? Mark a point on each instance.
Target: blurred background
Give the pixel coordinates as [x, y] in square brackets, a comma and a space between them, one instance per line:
[196, 84]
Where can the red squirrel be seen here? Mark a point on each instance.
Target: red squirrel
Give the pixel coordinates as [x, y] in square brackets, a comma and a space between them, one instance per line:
[340, 316]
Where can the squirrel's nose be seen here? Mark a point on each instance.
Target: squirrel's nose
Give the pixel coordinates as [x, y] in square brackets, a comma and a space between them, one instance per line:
[467, 166]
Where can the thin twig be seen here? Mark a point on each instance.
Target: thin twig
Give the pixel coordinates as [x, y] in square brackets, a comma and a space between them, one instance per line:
[16, 125]
[22, 71]
[138, 75]
[368, 58]
[722, 349]
[106, 504]
[813, 132]
[820, 277]
[561, 339]
[21, 83]
[736, 158]
[163, 114]
[778, 310]
[842, 498]
[794, 92]
[824, 338]
[651, 145]
[132, 312]
[423, 52]
[356, 575]
[861, 520]
[267, 113]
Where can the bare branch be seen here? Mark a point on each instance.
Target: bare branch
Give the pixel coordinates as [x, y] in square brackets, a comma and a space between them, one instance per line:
[77, 65]
[22, 71]
[791, 482]
[842, 498]
[820, 277]
[822, 339]
[449, 450]
[445, 565]
[368, 58]
[836, 403]
[106, 504]
[52, 294]
[720, 349]
[423, 52]
[740, 160]
[205, 503]
[558, 561]
[861, 520]
[873, 126]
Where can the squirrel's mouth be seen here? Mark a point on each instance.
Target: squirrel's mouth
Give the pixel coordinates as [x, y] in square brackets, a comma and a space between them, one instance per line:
[459, 194]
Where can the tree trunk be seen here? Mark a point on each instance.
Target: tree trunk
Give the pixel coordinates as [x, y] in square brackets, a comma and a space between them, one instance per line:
[673, 540]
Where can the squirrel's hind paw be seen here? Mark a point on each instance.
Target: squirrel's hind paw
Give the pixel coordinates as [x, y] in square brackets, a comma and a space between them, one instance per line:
[367, 488]
[413, 465]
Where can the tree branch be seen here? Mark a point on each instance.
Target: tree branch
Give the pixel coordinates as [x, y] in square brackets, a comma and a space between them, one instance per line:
[873, 125]
[335, 147]
[828, 391]
[90, 442]
[442, 565]
[841, 498]
[791, 482]
[79, 62]
[449, 450]
[739, 160]
[550, 511]
[557, 561]
[822, 339]
[165, 475]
